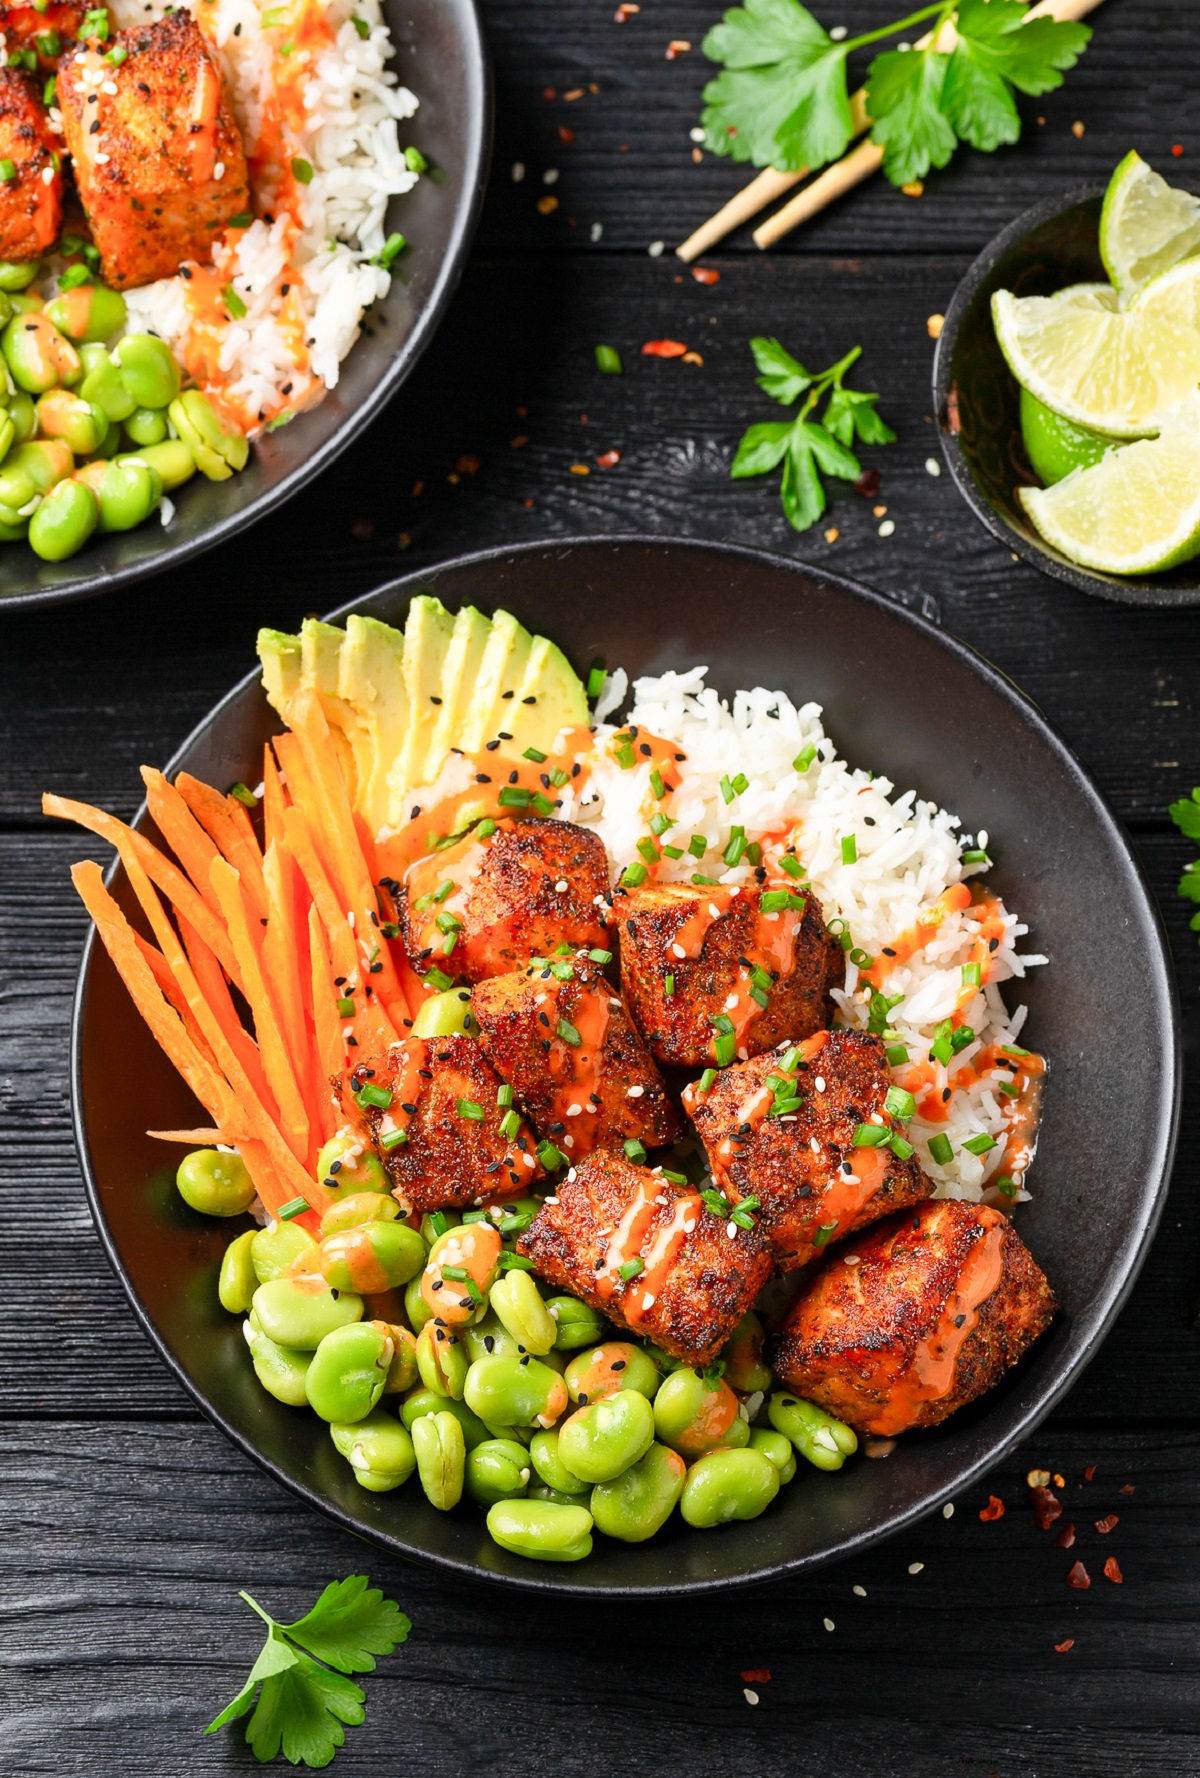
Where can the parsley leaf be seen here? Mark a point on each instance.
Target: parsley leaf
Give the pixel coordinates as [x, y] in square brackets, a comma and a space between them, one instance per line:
[995, 52]
[783, 377]
[762, 447]
[904, 99]
[301, 1705]
[782, 100]
[1186, 815]
[852, 415]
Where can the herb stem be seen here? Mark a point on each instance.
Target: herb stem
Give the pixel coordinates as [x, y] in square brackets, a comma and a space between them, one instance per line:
[255, 1606]
[944, 7]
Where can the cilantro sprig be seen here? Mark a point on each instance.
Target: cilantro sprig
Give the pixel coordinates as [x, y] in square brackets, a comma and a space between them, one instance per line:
[782, 99]
[1186, 816]
[302, 1702]
[805, 446]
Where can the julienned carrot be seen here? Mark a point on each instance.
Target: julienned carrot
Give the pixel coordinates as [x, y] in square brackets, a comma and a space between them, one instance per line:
[227, 824]
[182, 832]
[191, 1137]
[119, 940]
[272, 1047]
[275, 799]
[287, 971]
[161, 871]
[171, 992]
[272, 1187]
[330, 1050]
[211, 984]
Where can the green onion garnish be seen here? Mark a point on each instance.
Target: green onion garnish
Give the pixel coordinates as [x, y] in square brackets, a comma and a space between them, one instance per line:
[504, 1094]
[774, 901]
[940, 1150]
[707, 1081]
[673, 1178]
[510, 1124]
[413, 158]
[394, 1138]
[535, 754]
[981, 1144]
[360, 25]
[697, 845]
[438, 1223]
[542, 804]
[75, 275]
[648, 850]
[975, 856]
[448, 922]
[631, 1268]
[727, 790]
[549, 1156]
[569, 1034]
[392, 247]
[823, 1233]
[849, 849]
[656, 783]
[1007, 1186]
[609, 361]
[514, 1262]
[469, 1109]
[600, 957]
[486, 829]
[345, 1007]
[791, 864]
[970, 975]
[234, 305]
[558, 778]
[736, 847]
[625, 756]
[668, 984]
[715, 1201]
[633, 875]
[896, 1055]
[861, 959]
[597, 675]
[8, 170]
[804, 758]
[514, 796]
[293, 1207]
[458, 1274]
[635, 1151]
[379, 1097]
[724, 1049]
[900, 1105]
[871, 1135]
[659, 824]
[437, 978]
[900, 1148]
[301, 169]
[1014, 1049]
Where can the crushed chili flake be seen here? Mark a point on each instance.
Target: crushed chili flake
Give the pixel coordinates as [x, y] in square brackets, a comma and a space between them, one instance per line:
[1066, 1538]
[418, 488]
[1089, 1472]
[934, 325]
[832, 535]
[1177, 149]
[868, 484]
[1060, 1648]
[953, 417]
[521, 439]
[1078, 1576]
[624, 11]
[697, 157]
[1127, 1489]
[678, 46]
[549, 92]
[468, 464]
[576, 92]
[993, 1510]
[692, 358]
[879, 511]
[706, 274]
[756, 1675]
[1112, 1571]
[1108, 1523]
[1038, 1478]
[663, 349]
[1060, 1481]
[546, 206]
[608, 460]
[914, 189]
[363, 529]
[564, 134]
[580, 469]
[1046, 1507]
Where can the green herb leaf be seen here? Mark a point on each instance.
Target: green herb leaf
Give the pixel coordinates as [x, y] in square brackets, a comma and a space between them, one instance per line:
[1030, 53]
[904, 94]
[1186, 815]
[851, 414]
[762, 447]
[783, 377]
[350, 1624]
[781, 100]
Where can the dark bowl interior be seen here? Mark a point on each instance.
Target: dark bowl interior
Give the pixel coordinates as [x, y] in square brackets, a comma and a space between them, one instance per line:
[977, 399]
[969, 741]
[440, 54]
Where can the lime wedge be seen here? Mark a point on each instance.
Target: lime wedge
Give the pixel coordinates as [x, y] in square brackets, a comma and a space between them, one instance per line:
[1107, 370]
[1173, 296]
[1056, 446]
[1146, 226]
[1137, 511]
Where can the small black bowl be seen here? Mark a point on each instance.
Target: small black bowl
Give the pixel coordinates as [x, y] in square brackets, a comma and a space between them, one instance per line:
[1104, 1012]
[977, 400]
[441, 56]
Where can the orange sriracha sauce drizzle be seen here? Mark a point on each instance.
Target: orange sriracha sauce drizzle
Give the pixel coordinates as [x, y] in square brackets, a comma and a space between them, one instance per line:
[574, 1067]
[636, 1238]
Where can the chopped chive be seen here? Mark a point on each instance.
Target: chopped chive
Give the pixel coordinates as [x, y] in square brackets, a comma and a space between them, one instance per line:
[896, 1055]
[600, 957]
[871, 1136]
[504, 1094]
[721, 1022]
[656, 783]
[438, 1223]
[975, 856]
[900, 1148]
[804, 758]
[940, 1150]
[970, 975]
[379, 1097]
[673, 1178]
[474, 1216]
[8, 170]
[633, 875]
[414, 160]
[550, 1156]
[962, 1038]
[1009, 1090]
[535, 754]
[707, 1081]
[448, 944]
[648, 850]
[345, 1007]
[394, 1138]
[900, 1105]
[760, 998]
[673, 851]
[625, 757]
[724, 1049]
[514, 796]
[437, 978]
[774, 901]
[668, 985]
[981, 1144]
[510, 1124]
[360, 25]
[74, 276]
[514, 1262]
[823, 1234]
[486, 829]
[635, 1151]
[791, 864]
[631, 1269]
[697, 845]
[1007, 1186]
[391, 249]
[469, 1109]
[727, 790]
[608, 359]
[558, 778]
[448, 922]
[754, 853]
[597, 676]
[659, 824]
[697, 878]
[302, 170]
[736, 847]
[293, 1207]
[542, 804]
[1014, 1049]
[849, 849]
[244, 795]
[458, 1274]
[474, 1292]
[715, 1201]
[569, 1034]
[861, 959]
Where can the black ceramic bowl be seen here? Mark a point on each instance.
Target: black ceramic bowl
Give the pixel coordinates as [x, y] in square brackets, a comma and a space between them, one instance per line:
[1104, 1012]
[440, 54]
[977, 399]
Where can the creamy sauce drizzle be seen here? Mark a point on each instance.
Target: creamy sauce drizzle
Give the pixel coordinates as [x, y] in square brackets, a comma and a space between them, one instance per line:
[629, 1240]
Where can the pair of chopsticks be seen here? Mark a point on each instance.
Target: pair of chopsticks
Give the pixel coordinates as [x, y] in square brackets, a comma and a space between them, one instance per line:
[859, 164]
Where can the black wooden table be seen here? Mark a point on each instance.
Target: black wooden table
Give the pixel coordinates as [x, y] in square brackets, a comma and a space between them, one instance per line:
[128, 1524]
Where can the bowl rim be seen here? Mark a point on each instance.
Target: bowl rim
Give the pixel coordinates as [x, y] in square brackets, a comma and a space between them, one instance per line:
[1160, 982]
[478, 79]
[1141, 591]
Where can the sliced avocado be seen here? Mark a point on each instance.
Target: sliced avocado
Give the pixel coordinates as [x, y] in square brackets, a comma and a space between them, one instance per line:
[550, 698]
[460, 673]
[320, 670]
[427, 634]
[279, 655]
[501, 671]
[371, 677]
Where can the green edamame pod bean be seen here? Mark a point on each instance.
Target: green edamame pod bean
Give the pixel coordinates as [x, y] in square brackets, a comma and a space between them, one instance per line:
[237, 1281]
[515, 1391]
[543, 1530]
[460, 1270]
[171, 461]
[146, 426]
[59, 528]
[578, 1323]
[38, 356]
[300, 1311]
[351, 1212]
[18, 274]
[415, 1307]
[442, 1360]
[127, 490]
[280, 1369]
[24, 303]
[693, 1414]
[498, 1469]
[543, 1449]
[216, 1184]
[441, 1458]
[726, 1485]
[402, 1372]
[824, 1441]
[32, 469]
[87, 313]
[218, 449]
[446, 1015]
[378, 1449]
[743, 1356]
[603, 1370]
[348, 1371]
[372, 1257]
[637, 1503]
[23, 414]
[347, 1166]
[282, 1248]
[484, 1338]
[148, 369]
[514, 1296]
[776, 1448]
[112, 441]
[543, 1491]
[427, 1401]
[18, 533]
[601, 1440]
[102, 384]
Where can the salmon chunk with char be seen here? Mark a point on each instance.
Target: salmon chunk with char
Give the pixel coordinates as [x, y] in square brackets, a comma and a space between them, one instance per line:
[439, 1135]
[31, 194]
[564, 1042]
[647, 1254]
[159, 161]
[47, 33]
[781, 1129]
[718, 974]
[940, 1301]
[487, 905]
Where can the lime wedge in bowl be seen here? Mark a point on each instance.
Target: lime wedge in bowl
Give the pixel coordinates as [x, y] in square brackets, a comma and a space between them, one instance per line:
[1136, 511]
[1056, 446]
[1146, 226]
[1173, 296]
[1106, 369]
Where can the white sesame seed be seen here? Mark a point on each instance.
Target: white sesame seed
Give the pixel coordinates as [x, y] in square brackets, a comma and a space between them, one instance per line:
[518, 172]
[550, 176]
[648, 1301]
[597, 230]
[838, 32]
[529, 1161]
[101, 158]
[678, 951]
[109, 86]
[568, 1141]
[887, 527]
[948, 1510]
[714, 911]
[218, 170]
[983, 836]
[697, 135]
[570, 1175]
[860, 1592]
[688, 1227]
[932, 466]
[166, 511]
[829, 1623]
[814, 1145]
[915, 1567]
[851, 1259]
[819, 1083]
[750, 1697]
[655, 249]
[47, 175]
[635, 1092]
[562, 886]
[731, 1229]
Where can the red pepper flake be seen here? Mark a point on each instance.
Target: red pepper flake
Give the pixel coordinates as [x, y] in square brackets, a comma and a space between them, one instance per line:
[564, 134]
[1078, 1576]
[706, 274]
[624, 11]
[363, 529]
[953, 418]
[1089, 1472]
[418, 488]
[993, 1510]
[580, 469]
[1060, 1648]
[1108, 1523]
[547, 206]
[576, 92]
[1046, 1507]
[609, 460]
[1060, 1481]
[756, 1675]
[868, 484]
[468, 465]
[549, 93]
[1127, 1489]
[1177, 149]
[1112, 1571]
[692, 358]
[663, 349]
[678, 46]
[1066, 1538]
[517, 443]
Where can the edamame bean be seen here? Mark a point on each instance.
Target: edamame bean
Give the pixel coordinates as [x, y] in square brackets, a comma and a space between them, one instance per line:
[606, 1369]
[280, 1369]
[23, 302]
[416, 1309]
[237, 1280]
[637, 1503]
[146, 426]
[446, 1015]
[171, 461]
[374, 1256]
[515, 1391]
[460, 1270]
[693, 1414]
[427, 1401]
[23, 415]
[484, 1338]
[102, 384]
[348, 1371]
[88, 313]
[32, 469]
[776, 1448]
[498, 1469]
[112, 441]
[218, 449]
[514, 1296]
[63, 414]
[351, 1212]
[378, 1449]
[601, 1440]
[543, 1450]
[543, 1491]
[300, 1311]
[18, 274]
[216, 1184]
[127, 490]
[346, 1165]
[402, 1372]
[726, 1485]
[441, 1458]
[578, 1323]
[743, 1356]
[442, 1360]
[544, 1531]
[148, 369]
[824, 1441]
[38, 355]
[284, 1247]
